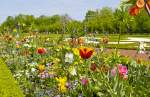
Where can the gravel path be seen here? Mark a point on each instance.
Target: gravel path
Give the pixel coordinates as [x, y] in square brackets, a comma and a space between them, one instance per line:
[133, 54]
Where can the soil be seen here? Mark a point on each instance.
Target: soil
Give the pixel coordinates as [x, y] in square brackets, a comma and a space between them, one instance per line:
[133, 54]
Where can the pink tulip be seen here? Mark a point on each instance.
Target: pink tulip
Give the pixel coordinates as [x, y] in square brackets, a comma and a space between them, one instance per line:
[113, 72]
[84, 81]
[122, 70]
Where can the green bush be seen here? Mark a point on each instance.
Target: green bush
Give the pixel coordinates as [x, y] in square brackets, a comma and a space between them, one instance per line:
[8, 85]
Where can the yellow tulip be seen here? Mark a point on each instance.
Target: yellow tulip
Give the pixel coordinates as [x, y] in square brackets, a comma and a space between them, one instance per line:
[41, 68]
[75, 51]
[62, 84]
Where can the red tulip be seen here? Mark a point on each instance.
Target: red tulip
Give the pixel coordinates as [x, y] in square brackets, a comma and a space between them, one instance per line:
[134, 10]
[86, 53]
[41, 51]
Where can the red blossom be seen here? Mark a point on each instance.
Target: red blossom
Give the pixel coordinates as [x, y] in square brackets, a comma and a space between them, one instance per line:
[41, 50]
[86, 53]
[134, 10]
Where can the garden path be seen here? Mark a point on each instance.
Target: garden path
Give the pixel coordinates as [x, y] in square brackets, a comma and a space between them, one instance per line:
[133, 54]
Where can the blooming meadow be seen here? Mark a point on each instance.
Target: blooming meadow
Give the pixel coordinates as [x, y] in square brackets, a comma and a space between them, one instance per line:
[47, 68]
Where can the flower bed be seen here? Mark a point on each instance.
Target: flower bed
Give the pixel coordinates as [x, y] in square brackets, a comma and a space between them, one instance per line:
[61, 70]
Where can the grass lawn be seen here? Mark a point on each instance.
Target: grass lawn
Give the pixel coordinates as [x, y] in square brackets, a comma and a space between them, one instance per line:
[124, 46]
[8, 86]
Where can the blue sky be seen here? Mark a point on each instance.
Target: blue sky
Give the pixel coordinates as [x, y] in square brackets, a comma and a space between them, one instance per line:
[76, 9]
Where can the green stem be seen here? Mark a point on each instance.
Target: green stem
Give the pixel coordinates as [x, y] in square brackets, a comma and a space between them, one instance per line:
[118, 40]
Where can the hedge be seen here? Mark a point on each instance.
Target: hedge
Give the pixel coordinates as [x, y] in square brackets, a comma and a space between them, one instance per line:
[8, 86]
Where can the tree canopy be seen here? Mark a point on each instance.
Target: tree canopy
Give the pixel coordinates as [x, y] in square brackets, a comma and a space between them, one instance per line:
[100, 21]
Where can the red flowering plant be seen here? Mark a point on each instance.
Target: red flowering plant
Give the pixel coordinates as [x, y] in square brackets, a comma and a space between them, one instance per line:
[41, 50]
[137, 5]
[86, 53]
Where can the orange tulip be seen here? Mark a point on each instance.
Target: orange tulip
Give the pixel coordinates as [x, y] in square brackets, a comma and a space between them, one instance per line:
[73, 42]
[86, 53]
[140, 3]
[134, 10]
[81, 41]
[41, 51]
[148, 2]
[147, 6]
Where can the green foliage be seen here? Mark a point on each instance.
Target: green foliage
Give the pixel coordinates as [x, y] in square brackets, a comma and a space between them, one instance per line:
[8, 86]
[103, 20]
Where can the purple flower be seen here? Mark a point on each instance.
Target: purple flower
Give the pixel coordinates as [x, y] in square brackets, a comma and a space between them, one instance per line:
[68, 85]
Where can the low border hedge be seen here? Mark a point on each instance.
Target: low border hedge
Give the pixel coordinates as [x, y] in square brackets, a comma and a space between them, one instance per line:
[8, 86]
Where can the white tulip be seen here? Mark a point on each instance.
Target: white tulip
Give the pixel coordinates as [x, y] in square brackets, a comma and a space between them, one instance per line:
[69, 58]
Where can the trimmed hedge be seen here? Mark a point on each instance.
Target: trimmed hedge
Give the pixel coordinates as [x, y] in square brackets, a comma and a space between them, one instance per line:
[8, 86]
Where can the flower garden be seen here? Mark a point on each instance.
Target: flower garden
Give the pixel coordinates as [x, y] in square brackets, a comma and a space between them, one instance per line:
[73, 69]
[47, 65]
